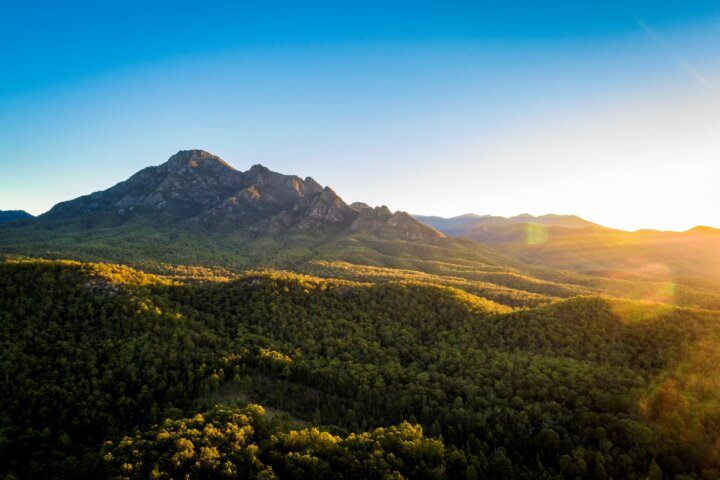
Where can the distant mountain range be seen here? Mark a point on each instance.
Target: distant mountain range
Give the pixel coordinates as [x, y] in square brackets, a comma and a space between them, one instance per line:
[569, 242]
[12, 215]
[496, 229]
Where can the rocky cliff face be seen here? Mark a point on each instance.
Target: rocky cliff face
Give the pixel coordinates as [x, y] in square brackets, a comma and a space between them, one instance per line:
[196, 186]
[382, 222]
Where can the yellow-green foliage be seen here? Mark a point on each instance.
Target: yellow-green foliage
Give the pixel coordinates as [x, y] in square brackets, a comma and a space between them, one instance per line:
[125, 275]
[494, 292]
[273, 357]
[473, 302]
[229, 442]
[199, 273]
[114, 273]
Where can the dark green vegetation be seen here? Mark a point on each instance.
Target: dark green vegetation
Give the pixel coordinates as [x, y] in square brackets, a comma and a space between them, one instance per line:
[588, 386]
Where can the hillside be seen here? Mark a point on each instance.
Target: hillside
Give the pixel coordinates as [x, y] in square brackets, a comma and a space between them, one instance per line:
[109, 371]
[681, 257]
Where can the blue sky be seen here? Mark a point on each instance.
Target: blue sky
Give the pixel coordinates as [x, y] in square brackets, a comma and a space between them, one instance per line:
[608, 110]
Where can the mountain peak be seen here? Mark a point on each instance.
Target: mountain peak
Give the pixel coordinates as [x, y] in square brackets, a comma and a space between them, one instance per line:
[312, 184]
[259, 168]
[192, 159]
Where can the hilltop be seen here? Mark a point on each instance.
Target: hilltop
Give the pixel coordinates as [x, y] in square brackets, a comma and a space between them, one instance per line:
[13, 215]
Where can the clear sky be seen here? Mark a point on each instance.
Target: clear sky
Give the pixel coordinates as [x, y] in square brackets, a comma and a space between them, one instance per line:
[609, 110]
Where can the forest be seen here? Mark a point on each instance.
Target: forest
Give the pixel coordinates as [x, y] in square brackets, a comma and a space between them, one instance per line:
[108, 371]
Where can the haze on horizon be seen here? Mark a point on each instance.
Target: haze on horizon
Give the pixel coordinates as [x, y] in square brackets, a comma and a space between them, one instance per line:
[609, 112]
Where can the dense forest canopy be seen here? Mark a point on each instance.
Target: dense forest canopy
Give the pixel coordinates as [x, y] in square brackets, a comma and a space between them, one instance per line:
[110, 371]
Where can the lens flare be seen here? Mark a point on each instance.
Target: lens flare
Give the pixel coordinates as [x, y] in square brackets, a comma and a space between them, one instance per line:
[536, 234]
[657, 281]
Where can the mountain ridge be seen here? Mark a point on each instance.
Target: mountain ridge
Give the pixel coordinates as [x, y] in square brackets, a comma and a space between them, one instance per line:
[197, 186]
[465, 225]
[460, 225]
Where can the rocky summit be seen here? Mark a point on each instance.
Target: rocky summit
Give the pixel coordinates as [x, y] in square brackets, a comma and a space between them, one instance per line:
[196, 186]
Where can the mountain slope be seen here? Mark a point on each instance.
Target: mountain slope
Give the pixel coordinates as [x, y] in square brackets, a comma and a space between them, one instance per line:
[670, 256]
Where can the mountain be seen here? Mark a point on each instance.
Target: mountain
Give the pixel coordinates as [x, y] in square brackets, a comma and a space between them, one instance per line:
[197, 186]
[196, 208]
[12, 215]
[470, 224]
